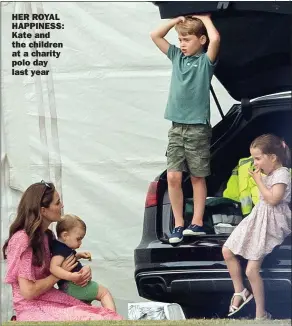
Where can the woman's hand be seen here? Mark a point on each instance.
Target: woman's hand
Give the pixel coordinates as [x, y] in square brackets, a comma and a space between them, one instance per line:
[256, 175]
[76, 277]
[86, 276]
[69, 263]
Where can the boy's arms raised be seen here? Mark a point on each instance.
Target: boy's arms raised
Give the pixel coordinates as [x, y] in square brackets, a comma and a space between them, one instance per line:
[157, 35]
[214, 37]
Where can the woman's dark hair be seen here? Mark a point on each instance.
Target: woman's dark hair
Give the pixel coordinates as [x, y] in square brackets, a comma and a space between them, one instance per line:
[29, 218]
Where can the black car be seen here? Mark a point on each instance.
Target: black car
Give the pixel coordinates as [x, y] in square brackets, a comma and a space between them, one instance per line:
[254, 63]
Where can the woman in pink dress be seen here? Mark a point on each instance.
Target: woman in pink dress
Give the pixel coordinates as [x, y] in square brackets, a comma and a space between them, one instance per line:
[27, 251]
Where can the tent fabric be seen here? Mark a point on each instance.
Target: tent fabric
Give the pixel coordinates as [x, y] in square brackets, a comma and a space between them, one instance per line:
[94, 126]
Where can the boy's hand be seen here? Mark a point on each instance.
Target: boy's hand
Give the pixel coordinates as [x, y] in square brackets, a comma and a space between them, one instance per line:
[84, 255]
[180, 19]
[202, 16]
[213, 35]
[158, 35]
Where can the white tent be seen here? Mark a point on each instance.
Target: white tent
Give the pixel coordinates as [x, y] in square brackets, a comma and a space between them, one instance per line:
[94, 126]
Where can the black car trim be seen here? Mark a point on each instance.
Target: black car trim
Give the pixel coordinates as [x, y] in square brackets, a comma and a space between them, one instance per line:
[216, 101]
[223, 285]
[202, 271]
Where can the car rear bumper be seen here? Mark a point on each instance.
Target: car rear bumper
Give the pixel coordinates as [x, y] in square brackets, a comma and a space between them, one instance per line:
[181, 286]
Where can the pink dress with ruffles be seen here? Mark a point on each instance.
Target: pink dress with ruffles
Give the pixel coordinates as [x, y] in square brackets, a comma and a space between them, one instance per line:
[52, 305]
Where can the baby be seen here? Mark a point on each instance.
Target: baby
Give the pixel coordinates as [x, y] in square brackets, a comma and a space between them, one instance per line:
[70, 231]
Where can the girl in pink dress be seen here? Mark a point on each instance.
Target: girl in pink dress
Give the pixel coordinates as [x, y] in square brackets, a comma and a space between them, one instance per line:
[27, 251]
[265, 227]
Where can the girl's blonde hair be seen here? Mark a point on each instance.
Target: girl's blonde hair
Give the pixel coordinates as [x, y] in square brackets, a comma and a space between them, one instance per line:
[68, 222]
[271, 144]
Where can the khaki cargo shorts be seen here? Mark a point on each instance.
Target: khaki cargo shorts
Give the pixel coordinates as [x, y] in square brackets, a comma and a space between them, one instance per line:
[189, 148]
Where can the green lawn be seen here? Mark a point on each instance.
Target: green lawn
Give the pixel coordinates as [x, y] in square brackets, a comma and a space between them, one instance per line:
[195, 322]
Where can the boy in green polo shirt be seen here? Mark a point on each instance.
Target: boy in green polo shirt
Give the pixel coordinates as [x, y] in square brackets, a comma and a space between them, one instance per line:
[188, 108]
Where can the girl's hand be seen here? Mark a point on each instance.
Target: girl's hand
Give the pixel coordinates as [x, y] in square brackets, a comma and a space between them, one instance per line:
[84, 254]
[69, 263]
[256, 175]
[86, 276]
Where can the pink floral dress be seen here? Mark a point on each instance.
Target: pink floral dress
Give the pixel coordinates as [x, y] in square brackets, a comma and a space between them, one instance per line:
[52, 305]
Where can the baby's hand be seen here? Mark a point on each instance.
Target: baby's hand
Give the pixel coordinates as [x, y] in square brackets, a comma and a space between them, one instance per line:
[85, 255]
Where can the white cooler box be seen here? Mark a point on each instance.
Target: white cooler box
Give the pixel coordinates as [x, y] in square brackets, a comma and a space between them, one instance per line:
[155, 311]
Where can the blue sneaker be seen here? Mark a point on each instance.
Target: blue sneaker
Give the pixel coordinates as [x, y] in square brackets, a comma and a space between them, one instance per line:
[176, 235]
[194, 229]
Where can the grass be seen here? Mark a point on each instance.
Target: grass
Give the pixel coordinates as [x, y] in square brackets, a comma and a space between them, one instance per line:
[195, 322]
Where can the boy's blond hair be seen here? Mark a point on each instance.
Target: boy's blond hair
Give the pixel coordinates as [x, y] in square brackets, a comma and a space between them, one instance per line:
[68, 222]
[191, 26]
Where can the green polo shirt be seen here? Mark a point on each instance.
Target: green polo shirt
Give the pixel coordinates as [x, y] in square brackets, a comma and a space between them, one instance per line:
[189, 95]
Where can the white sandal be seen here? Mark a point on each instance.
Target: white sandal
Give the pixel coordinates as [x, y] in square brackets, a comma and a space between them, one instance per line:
[233, 309]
